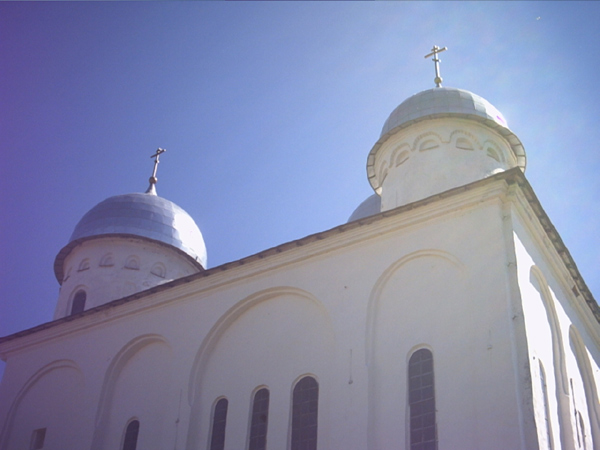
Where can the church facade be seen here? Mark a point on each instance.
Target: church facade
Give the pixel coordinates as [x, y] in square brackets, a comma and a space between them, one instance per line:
[445, 314]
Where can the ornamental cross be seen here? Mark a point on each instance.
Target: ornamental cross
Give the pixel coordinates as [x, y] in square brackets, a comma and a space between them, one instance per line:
[153, 179]
[434, 52]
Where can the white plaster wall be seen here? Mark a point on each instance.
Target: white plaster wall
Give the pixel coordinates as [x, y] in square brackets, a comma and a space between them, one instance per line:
[433, 156]
[137, 389]
[271, 342]
[451, 298]
[550, 309]
[50, 399]
[111, 268]
[586, 388]
[347, 310]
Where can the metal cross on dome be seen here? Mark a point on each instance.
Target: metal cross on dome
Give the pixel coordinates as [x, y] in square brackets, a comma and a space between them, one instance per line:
[434, 52]
[153, 179]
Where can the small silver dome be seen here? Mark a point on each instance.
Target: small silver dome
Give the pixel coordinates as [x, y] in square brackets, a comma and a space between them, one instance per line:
[139, 215]
[441, 102]
[370, 206]
[446, 102]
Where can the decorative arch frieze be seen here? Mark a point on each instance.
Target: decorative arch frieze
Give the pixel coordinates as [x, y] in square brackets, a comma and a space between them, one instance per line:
[427, 141]
[464, 144]
[494, 151]
[132, 262]
[463, 140]
[84, 265]
[383, 171]
[159, 269]
[67, 274]
[400, 154]
[401, 158]
[107, 260]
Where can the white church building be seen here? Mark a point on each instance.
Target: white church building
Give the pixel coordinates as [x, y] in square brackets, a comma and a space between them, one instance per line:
[445, 314]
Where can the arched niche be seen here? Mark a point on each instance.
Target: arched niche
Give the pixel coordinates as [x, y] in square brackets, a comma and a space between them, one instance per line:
[159, 269]
[136, 384]
[84, 265]
[429, 140]
[544, 336]
[53, 399]
[400, 154]
[132, 262]
[107, 260]
[463, 140]
[418, 302]
[267, 338]
[589, 384]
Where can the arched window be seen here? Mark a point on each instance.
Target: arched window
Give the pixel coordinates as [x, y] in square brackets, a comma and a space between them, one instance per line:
[305, 409]
[217, 435]
[259, 421]
[37, 439]
[78, 304]
[421, 400]
[131, 435]
[589, 385]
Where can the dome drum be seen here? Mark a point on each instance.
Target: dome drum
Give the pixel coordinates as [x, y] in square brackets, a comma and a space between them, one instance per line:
[439, 103]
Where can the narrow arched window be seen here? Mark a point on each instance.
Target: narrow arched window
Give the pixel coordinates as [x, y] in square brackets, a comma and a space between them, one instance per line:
[37, 439]
[259, 421]
[546, 405]
[131, 435]
[78, 304]
[217, 435]
[305, 409]
[421, 400]
[589, 385]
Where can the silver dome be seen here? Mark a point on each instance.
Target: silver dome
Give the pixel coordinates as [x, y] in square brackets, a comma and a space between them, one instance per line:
[139, 215]
[370, 206]
[446, 102]
[443, 101]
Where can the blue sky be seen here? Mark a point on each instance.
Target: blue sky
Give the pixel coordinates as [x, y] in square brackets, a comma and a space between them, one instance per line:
[268, 111]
